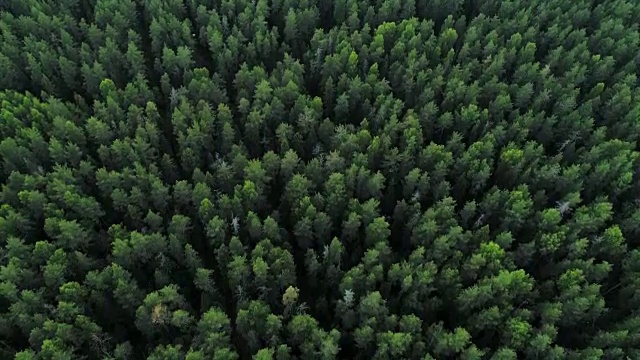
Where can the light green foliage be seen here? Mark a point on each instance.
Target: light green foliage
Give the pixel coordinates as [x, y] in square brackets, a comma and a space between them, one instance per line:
[276, 179]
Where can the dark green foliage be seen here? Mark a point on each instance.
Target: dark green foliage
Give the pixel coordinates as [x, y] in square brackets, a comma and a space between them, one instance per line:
[305, 179]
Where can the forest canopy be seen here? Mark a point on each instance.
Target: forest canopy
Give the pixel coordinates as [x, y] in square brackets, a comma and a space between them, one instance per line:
[311, 179]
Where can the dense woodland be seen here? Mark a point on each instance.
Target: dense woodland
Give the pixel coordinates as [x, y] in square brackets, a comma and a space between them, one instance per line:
[310, 179]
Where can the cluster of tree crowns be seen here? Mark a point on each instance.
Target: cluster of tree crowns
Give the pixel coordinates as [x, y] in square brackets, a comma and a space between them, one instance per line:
[310, 179]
